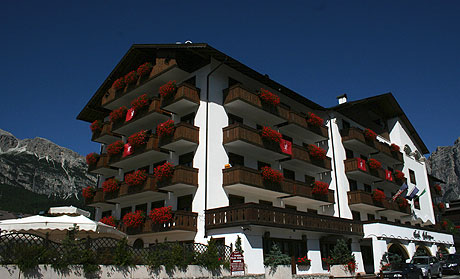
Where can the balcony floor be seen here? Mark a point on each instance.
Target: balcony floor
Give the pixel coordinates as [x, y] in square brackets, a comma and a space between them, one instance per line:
[182, 107]
[362, 176]
[149, 121]
[138, 197]
[248, 111]
[294, 130]
[303, 166]
[143, 159]
[106, 138]
[105, 171]
[355, 144]
[244, 148]
[181, 146]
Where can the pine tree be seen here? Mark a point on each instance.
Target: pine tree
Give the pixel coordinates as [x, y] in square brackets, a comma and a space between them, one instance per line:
[238, 245]
[341, 254]
[276, 257]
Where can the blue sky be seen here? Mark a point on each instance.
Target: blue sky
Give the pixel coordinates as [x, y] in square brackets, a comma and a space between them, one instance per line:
[55, 54]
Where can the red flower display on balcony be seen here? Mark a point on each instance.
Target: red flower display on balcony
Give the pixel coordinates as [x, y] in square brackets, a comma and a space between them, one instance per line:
[91, 158]
[270, 135]
[378, 195]
[136, 178]
[119, 84]
[268, 97]
[131, 77]
[88, 192]
[374, 164]
[320, 188]
[96, 126]
[314, 120]
[399, 175]
[139, 138]
[441, 206]
[144, 69]
[168, 89]
[115, 148]
[118, 114]
[303, 261]
[109, 220]
[402, 202]
[369, 134]
[438, 189]
[271, 175]
[163, 172]
[395, 147]
[444, 224]
[140, 103]
[110, 185]
[316, 152]
[134, 219]
[166, 129]
[161, 215]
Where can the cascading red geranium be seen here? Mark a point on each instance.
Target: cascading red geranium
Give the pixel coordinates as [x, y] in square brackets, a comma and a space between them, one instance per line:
[139, 138]
[378, 195]
[270, 135]
[316, 152]
[402, 202]
[369, 134]
[161, 215]
[395, 147]
[91, 158]
[119, 84]
[136, 178]
[374, 164]
[144, 69]
[134, 219]
[96, 126]
[88, 192]
[109, 220]
[444, 224]
[118, 114]
[166, 129]
[115, 148]
[268, 97]
[399, 175]
[320, 188]
[140, 103]
[271, 175]
[110, 185]
[164, 171]
[314, 120]
[168, 89]
[131, 77]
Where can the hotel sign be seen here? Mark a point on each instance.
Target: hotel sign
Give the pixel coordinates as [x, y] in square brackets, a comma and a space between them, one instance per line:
[424, 235]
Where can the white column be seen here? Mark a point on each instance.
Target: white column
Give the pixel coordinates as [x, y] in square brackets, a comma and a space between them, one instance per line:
[411, 249]
[356, 250]
[314, 254]
[98, 214]
[253, 253]
[117, 211]
[379, 248]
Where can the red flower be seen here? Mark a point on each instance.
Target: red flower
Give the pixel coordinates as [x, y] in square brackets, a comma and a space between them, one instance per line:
[270, 134]
[268, 97]
[91, 158]
[316, 152]
[131, 77]
[109, 220]
[88, 192]
[144, 69]
[115, 147]
[168, 89]
[438, 188]
[139, 138]
[441, 205]
[96, 126]
[395, 147]
[271, 175]
[402, 202]
[165, 128]
[117, 114]
[134, 219]
[378, 195]
[352, 266]
[136, 178]
[374, 164]
[161, 215]
[110, 185]
[119, 84]
[164, 171]
[314, 120]
[369, 134]
[320, 188]
[141, 102]
[303, 261]
[399, 174]
[444, 224]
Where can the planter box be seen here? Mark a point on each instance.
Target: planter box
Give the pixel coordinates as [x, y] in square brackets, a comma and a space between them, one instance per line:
[279, 272]
[341, 271]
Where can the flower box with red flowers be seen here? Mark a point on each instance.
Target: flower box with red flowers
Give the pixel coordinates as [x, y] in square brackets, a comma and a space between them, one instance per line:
[96, 126]
[316, 153]
[91, 159]
[166, 129]
[438, 189]
[441, 206]
[131, 78]
[271, 176]
[115, 148]
[394, 147]
[168, 90]
[136, 178]
[271, 138]
[118, 115]
[374, 164]
[268, 97]
[378, 195]
[161, 215]
[402, 202]
[143, 71]
[141, 103]
[133, 220]
[119, 84]
[88, 192]
[163, 172]
[320, 188]
[444, 224]
[138, 139]
[303, 261]
[370, 135]
[109, 220]
[399, 175]
[314, 120]
[111, 185]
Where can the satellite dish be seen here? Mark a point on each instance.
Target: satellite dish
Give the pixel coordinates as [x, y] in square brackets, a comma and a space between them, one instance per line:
[407, 150]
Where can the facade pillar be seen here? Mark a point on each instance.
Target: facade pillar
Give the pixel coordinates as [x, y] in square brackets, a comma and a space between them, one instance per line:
[117, 211]
[98, 214]
[253, 253]
[379, 248]
[411, 249]
[356, 250]
[314, 254]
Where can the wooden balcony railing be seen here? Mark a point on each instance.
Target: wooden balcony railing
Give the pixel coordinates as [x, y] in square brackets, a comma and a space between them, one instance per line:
[182, 175]
[351, 165]
[151, 145]
[385, 150]
[182, 131]
[148, 185]
[356, 135]
[185, 92]
[181, 221]
[262, 215]
[98, 198]
[105, 135]
[296, 118]
[102, 166]
[302, 154]
[361, 197]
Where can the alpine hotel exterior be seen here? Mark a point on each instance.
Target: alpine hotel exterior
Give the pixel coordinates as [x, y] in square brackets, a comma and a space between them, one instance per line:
[249, 157]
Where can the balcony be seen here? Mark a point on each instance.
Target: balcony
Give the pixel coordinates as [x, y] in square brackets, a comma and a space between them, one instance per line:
[354, 139]
[242, 180]
[361, 200]
[186, 100]
[105, 135]
[386, 155]
[297, 126]
[143, 120]
[301, 160]
[392, 184]
[267, 216]
[241, 139]
[144, 192]
[185, 138]
[239, 101]
[102, 167]
[184, 178]
[182, 221]
[97, 200]
[369, 176]
[144, 155]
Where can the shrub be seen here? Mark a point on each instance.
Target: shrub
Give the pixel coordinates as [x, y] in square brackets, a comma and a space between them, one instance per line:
[374, 164]
[134, 219]
[161, 215]
[109, 220]
[166, 129]
[91, 158]
[275, 257]
[314, 120]
[122, 254]
[115, 148]
[268, 97]
[131, 77]
[370, 135]
[96, 126]
[140, 103]
[136, 178]
[210, 258]
[316, 152]
[341, 255]
[118, 114]
[88, 192]
[399, 174]
[144, 69]
[320, 188]
[270, 135]
[168, 89]
[238, 246]
[119, 84]
[110, 185]
[378, 195]
[271, 175]
[395, 147]
[139, 138]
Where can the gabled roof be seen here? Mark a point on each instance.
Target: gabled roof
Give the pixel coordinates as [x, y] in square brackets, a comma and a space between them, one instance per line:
[189, 57]
[386, 106]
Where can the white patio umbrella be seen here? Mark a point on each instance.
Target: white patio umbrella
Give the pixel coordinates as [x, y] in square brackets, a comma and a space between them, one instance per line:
[68, 210]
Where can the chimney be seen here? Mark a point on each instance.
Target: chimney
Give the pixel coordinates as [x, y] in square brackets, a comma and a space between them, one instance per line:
[342, 98]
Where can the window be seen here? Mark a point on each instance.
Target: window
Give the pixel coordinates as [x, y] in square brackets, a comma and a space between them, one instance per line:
[186, 159]
[269, 203]
[157, 204]
[367, 188]
[233, 119]
[288, 138]
[106, 213]
[309, 179]
[232, 82]
[289, 174]
[370, 217]
[356, 215]
[261, 164]
[353, 185]
[349, 153]
[258, 127]
[390, 169]
[412, 176]
[285, 105]
[185, 203]
[235, 200]
[142, 207]
[417, 203]
[235, 159]
[189, 118]
[191, 81]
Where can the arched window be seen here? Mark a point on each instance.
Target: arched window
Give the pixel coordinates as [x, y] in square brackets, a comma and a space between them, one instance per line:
[138, 244]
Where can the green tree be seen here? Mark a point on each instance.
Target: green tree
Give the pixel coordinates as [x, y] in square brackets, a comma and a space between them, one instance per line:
[238, 245]
[275, 257]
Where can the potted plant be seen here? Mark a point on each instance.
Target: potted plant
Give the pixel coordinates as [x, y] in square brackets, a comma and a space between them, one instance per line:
[342, 262]
[131, 78]
[314, 120]
[91, 158]
[117, 115]
[143, 71]
[271, 138]
[303, 261]
[141, 103]
[136, 178]
[88, 192]
[110, 187]
[320, 188]
[402, 202]
[316, 152]
[275, 261]
[115, 148]
[163, 172]
[119, 84]
[369, 134]
[161, 215]
[378, 195]
[133, 221]
[270, 175]
[166, 129]
[168, 90]
[109, 220]
[138, 139]
[374, 164]
[96, 126]
[268, 97]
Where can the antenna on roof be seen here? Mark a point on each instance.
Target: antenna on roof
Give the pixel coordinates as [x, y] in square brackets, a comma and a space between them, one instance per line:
[188, 42]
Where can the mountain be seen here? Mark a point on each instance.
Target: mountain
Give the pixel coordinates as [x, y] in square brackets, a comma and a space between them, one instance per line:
[41, 168]
[444, 163]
